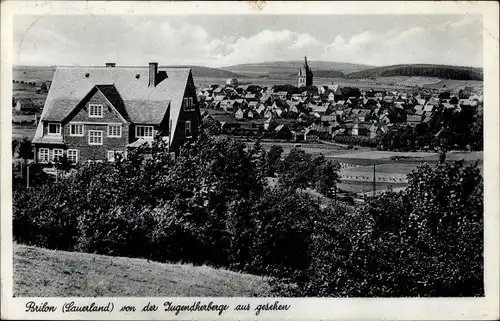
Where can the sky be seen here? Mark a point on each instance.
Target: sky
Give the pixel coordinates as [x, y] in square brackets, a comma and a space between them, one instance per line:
[223, 40]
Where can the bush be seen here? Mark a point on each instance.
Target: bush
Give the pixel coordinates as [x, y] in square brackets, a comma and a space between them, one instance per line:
[210, 206]
[355, 140]
[425, 241]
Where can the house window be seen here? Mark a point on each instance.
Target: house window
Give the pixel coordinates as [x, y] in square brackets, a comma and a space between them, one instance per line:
[112, 155]
[144, 132]
[95, 137]
[76, 129]
[54, 129]
[188, 102]
[73, 155]
[114, 130]
[95, 110]
[56, 154]
[188, 128]
[43, 155]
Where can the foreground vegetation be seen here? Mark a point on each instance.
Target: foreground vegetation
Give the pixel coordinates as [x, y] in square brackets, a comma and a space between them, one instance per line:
[49, 273]
[212, 205]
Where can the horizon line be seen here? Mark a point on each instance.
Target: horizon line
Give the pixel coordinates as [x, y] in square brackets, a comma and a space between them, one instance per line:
[250, 63]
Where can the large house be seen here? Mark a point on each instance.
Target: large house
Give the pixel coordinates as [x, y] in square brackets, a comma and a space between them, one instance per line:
[93, 113]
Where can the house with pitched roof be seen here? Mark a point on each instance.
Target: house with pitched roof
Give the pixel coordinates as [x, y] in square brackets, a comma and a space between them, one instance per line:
[25, 104]
[93, 113]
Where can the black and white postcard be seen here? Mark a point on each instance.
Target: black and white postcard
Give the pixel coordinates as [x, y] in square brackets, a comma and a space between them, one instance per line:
[250, 160]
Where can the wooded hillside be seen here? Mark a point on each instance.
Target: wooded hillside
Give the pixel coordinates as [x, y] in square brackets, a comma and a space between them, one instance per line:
[440, 71]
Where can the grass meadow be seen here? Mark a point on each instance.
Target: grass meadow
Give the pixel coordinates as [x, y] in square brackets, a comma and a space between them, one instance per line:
[48, 273]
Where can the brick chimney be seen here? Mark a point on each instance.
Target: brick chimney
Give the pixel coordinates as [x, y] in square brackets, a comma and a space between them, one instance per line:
[153, 72]
[110, 64]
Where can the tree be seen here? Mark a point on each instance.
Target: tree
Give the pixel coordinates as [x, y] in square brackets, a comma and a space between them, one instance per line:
[348, 92]
[283, 224]
[296, 169]
[444, 95]
[273, 159]
[25, 152]
[425, 241]
[62, 164]
[327, 177]
[211, 126]
[43, 87]
[445, 229]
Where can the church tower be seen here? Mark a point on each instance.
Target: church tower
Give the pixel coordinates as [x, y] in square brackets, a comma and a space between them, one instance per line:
[305, 77]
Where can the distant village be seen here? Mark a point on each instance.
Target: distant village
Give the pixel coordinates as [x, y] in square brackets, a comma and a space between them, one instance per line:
[98, 116]
[309, 112]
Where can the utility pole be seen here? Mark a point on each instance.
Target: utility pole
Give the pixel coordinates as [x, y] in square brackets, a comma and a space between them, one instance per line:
[28, 176]
[335, 195]
[374, 179]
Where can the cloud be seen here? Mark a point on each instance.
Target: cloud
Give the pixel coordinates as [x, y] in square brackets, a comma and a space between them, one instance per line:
[137, 40]
[269, 45]
[454, 42]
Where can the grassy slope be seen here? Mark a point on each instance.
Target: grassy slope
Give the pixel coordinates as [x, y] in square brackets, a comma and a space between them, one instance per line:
[286, 68]
[42, 273]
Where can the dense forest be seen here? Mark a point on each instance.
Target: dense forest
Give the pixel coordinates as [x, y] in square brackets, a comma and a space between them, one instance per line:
[440, 71]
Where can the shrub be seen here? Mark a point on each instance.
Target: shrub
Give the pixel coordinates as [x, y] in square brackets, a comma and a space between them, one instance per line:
[425, 241]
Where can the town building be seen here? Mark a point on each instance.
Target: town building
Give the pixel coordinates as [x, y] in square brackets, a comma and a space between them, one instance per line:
[305, 76]
[93, 113]
[25, 104]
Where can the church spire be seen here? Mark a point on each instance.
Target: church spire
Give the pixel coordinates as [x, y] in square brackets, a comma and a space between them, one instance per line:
[305, 75]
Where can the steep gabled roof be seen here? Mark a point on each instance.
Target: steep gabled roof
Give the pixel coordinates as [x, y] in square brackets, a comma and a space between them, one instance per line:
[113, 96]
[127, 88]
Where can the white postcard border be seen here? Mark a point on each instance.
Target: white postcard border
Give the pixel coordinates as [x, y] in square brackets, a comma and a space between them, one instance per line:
[300, 308]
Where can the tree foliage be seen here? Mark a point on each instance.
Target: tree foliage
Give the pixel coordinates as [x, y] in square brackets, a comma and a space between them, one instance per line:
[211, 205]
[425, 241]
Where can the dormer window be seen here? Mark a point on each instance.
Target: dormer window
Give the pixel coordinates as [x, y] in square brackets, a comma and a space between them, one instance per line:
[188, 102]
[145, 132]
[54, 129]
[95, 111]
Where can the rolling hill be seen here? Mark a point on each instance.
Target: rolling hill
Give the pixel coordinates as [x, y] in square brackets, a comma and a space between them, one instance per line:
[286, 69]
[200, 71]
[40, 74]
[421, 70]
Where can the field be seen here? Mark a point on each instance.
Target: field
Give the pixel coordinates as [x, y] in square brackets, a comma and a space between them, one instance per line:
[207, 76]
[48, 273]
[26, 91]
[430, 82]
[310, 148]
[357, 167]
[400, 82]
[37, 74]
[19, 132]
[367, 187]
